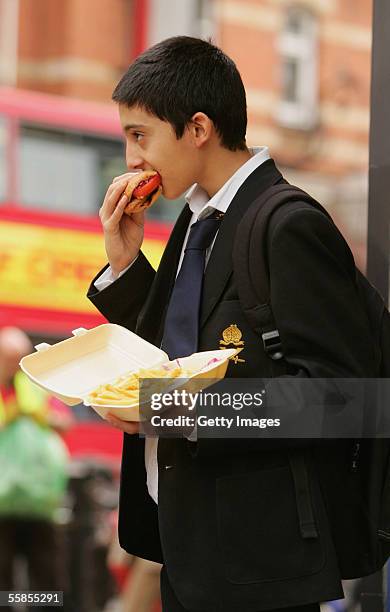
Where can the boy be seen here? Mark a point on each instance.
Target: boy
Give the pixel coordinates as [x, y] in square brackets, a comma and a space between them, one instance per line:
[221, 515]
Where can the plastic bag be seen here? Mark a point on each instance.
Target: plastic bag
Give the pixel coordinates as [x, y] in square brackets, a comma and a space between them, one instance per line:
[33, 469]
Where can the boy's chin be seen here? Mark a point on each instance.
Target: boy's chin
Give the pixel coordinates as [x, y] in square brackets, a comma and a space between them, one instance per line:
[170, 194]
[175, 192]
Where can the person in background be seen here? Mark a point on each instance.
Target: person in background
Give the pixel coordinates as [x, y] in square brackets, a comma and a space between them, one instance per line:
[35, 539]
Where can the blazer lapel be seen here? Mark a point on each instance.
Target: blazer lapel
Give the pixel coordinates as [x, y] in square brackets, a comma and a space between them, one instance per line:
[220, 265]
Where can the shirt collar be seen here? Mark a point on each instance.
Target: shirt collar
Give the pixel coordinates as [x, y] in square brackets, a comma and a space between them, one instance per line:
[199, 201]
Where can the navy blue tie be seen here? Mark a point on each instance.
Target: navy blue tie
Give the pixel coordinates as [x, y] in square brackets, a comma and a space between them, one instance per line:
[181, 329]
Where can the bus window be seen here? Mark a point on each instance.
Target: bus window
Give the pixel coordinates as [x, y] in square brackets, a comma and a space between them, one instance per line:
[70, 172]
[65, 171]
[3, 165]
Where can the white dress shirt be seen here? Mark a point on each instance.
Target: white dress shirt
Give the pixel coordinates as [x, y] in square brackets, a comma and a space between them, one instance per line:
[201, 206]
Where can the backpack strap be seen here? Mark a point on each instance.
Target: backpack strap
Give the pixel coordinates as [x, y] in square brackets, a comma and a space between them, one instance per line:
[250, 261]
[252, 277]
[307, 524]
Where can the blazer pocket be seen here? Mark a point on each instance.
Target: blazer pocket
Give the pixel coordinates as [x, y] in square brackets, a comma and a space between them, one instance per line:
[258, 529]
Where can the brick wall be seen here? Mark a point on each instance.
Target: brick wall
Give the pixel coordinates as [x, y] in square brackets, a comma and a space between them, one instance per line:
[75, 48]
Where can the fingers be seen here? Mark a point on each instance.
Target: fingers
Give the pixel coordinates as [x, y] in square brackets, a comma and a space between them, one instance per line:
[114, 190]
[126, 176]
[130, 427]
[139, 218]
[116, 216]
[114, 204]
[114, 193]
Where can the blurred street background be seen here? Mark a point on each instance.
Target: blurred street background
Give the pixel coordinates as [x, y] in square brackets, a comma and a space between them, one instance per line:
[306, 68]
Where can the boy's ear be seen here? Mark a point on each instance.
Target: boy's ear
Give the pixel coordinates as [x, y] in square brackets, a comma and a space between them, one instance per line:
[200, 128]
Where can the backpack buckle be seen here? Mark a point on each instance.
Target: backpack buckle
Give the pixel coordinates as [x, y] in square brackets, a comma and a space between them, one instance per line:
[272, 344]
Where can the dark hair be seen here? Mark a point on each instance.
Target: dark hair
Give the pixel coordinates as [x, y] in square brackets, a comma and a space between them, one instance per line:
[180, 76]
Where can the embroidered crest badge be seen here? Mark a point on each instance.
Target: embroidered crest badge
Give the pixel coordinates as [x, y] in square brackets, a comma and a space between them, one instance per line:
[232, 339]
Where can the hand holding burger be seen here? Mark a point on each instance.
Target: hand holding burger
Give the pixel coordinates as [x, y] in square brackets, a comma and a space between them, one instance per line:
[123, 233]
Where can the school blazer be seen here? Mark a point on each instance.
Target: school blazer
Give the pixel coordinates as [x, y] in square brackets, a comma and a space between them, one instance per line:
[228, 525]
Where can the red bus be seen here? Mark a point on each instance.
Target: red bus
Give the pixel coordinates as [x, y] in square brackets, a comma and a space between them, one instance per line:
[57, 158]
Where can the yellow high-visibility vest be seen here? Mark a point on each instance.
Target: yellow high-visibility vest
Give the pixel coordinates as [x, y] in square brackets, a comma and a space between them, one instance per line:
[31, 401]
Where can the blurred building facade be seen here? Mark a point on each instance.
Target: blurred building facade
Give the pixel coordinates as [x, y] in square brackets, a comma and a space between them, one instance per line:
[305, 65]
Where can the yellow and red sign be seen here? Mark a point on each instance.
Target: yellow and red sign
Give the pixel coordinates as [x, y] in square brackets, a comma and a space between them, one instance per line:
[46, 270]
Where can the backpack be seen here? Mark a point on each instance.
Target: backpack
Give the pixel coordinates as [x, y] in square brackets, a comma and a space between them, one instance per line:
[355, 480]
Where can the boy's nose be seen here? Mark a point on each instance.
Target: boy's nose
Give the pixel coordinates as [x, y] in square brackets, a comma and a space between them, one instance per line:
[134, 164]
[133, 159]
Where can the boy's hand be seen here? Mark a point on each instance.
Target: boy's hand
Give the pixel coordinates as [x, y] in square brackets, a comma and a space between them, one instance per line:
[123, 234]
[130, 427]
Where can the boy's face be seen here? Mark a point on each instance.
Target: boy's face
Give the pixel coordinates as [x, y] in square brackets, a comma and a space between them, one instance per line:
[151, 144]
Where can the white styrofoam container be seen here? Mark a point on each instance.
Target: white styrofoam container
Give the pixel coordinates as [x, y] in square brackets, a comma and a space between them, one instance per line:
[71, 369]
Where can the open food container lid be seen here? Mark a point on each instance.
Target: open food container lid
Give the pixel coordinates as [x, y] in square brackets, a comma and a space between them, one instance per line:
[71, 369]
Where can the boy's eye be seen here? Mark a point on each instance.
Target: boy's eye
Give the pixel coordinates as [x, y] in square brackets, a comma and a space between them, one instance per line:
[137, 136]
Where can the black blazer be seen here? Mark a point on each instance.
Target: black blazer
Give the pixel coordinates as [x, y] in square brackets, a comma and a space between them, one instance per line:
[227, 524]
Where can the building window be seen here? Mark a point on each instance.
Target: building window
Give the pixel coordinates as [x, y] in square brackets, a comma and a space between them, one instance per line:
[298, 107]
[204, 19]
[186, 17]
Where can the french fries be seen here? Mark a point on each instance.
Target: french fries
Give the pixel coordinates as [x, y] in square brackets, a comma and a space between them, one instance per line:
[125, 390]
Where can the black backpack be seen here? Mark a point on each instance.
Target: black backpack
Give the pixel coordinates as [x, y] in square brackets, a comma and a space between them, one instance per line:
[355, 480]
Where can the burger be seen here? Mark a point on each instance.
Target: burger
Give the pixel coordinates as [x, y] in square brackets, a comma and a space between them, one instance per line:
[142, 190]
